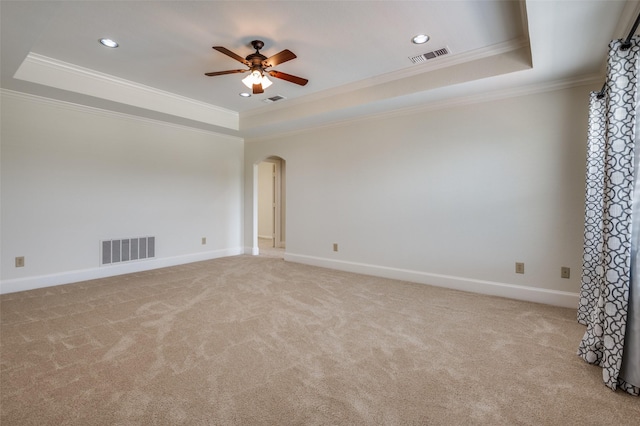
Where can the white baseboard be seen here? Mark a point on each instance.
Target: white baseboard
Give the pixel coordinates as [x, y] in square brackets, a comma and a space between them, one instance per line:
[253, 251]
[511, 291]
[30, 283]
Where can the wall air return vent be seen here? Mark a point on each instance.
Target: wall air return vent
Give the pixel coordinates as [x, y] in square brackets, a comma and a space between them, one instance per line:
[127, 250]
[273, 99]
[429, 55]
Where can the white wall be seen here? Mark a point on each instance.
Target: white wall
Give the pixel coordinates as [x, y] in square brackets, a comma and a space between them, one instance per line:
[72, 176]
[451, 197]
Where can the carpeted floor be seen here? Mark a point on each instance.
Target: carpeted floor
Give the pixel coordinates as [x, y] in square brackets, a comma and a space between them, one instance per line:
[266, 249]
[258, 341]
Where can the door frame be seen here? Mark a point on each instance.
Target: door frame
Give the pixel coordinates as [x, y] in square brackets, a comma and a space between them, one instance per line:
[279, 202]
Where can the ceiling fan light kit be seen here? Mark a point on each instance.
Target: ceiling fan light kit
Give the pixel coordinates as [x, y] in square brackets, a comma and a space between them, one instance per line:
[257, 64]
[256, 77]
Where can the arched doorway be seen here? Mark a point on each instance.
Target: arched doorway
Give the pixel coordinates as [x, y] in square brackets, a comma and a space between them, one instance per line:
[271, 202]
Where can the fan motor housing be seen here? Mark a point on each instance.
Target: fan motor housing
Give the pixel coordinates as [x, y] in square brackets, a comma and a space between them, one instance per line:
[256, 59]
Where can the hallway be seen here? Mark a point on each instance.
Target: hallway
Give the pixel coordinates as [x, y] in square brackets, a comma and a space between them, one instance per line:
[266, 248]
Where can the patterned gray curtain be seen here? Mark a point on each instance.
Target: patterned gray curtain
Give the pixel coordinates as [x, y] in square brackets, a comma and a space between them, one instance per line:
[607, 259]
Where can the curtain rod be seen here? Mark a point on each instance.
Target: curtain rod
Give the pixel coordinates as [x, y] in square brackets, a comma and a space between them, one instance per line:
[625, 45]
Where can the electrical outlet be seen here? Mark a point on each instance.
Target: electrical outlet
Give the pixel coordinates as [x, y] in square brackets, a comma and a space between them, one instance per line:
[20, 262]
[565, 272]
[519, 268]
[204, 240]
[335, 246]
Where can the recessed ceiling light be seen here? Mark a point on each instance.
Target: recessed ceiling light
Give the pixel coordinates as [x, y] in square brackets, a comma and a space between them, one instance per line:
[108, 42]
[420, 38]
[245, 94]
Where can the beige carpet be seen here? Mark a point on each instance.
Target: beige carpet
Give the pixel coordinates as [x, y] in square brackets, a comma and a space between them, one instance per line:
[259, 341]
[266, 248]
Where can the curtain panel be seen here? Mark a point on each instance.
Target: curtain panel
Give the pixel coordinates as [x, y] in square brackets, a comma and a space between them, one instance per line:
[610, 182]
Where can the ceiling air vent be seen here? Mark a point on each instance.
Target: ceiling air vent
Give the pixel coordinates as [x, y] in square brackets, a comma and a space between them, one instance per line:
[429, 55]
[273, 99]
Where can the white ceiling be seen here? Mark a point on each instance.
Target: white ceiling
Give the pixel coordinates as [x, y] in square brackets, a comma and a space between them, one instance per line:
[354, 53]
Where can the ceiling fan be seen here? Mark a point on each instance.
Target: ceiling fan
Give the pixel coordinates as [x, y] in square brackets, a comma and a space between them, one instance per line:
[258, 64]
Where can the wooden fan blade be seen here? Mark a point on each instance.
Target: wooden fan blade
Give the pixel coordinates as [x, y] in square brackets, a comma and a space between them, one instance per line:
[291, 78]
[232, 55]
[278, 58]
[257, 89]
[211, 74]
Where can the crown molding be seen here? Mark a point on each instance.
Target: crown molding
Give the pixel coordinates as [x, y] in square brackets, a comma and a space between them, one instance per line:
[62, 75]
[439, 63]
[70, 106]
[419, 69]
[481, 64]
[454, 102]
